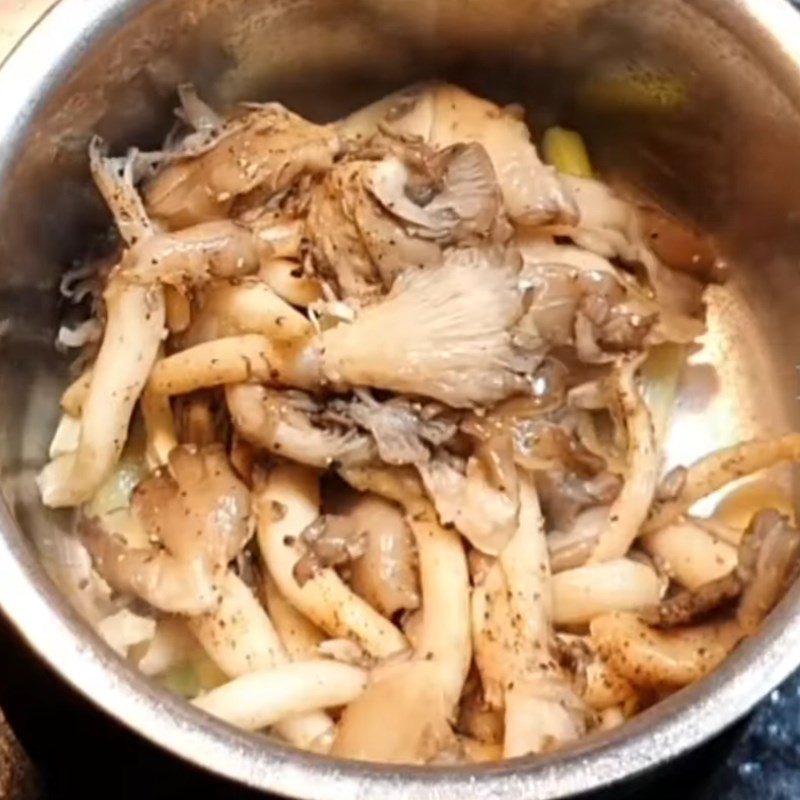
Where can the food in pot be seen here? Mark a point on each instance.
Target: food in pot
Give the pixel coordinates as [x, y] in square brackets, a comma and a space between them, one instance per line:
[368, 424]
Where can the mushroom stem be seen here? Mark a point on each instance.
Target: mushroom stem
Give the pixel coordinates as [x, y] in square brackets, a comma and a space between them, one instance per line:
[629, 510]
[233, 359]
[720, 468]
[287, 505]
[240, 638]
[134, 329]
[265, 697]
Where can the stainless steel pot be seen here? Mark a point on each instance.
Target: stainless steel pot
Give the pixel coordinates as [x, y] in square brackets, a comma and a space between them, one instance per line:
[720, 142]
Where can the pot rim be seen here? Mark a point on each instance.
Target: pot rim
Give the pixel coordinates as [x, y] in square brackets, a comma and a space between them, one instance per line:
[56, 633]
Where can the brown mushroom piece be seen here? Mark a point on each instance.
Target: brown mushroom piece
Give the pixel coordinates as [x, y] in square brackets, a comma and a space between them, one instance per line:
[330, 541]
[768, 560]
[197, 515]
[443, 115]
[359, 246]
[404, 430]
[218, 249]
[289, 424]
[385, 574]
[266, 146]
[464, 495]
[451, 196]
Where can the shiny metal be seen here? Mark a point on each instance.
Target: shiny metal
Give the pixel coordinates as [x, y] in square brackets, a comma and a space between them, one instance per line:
[729, 156]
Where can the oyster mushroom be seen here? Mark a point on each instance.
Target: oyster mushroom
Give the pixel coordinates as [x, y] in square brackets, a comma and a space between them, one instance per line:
[443, 115]
[267, 146]
[455, 195]
[442, 333]
[199, 517]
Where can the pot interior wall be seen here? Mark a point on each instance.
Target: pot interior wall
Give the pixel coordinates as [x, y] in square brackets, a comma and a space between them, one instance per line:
[712, 132]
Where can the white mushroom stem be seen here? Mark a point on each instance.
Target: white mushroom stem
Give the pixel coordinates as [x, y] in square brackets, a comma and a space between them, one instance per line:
[287, 505]
[583, 593]
[134, 329]
[512, 629]
[265, 697]
[159, 425]
[444, 634]
[238, 635]
[299, 635]
[629, 510]
[525, 563]
[422, 694]
[655, 659]
[76, 393]
[233, 359]
[285, 278]
[240, 638]
[720, 468]
[691, 554]
[250, 306]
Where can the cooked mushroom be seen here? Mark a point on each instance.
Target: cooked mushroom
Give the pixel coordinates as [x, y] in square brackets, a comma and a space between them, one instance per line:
[661, 660]
[442, 333]
[287, 505]
[267, 146]
[451, 196]
[444, 115]
[385, 575]
[768, 558]
[404, 431]
[289, 425]
[240, 638]
[135, 318]
[219, 249]
[511, 617]
[280, 693]
[721, 467]
[465, 496]
[629, 510]
[431, 683]
[199, 515]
